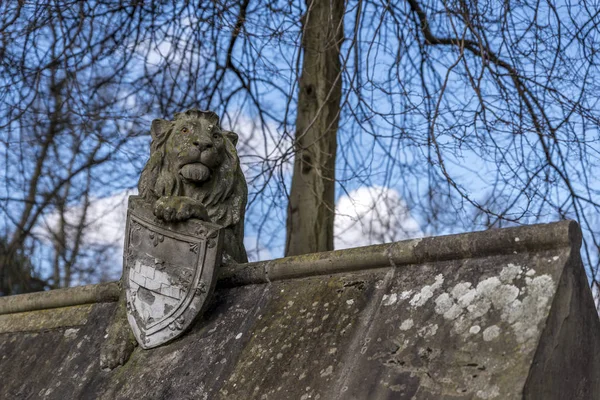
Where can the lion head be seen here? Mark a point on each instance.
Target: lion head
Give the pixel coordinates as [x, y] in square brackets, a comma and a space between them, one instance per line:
[192, 157]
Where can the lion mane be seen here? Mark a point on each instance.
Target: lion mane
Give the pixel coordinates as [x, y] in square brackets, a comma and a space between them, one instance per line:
[223, 194]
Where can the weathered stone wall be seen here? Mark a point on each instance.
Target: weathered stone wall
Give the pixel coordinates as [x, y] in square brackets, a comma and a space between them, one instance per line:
[501, 314]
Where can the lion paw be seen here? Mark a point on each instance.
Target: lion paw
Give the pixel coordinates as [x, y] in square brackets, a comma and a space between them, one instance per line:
[114, 354]
[119, 341]
[164, 210]
[179, 208]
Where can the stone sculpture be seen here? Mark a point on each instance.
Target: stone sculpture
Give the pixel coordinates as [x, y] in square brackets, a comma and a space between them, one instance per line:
[192, 198]
[194, 172]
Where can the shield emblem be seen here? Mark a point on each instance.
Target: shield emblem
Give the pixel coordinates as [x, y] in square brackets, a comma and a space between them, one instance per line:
[170, 271]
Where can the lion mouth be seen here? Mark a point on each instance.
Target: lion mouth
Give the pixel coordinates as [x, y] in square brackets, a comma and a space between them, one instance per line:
[196, 172]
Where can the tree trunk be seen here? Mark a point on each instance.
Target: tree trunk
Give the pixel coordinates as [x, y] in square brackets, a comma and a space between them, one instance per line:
[312, 197]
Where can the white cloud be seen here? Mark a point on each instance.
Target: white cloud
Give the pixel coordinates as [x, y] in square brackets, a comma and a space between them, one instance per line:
[596, 296]
[108, 216]
[170, 47]
[256, 251]
[106, 220]
[102, 239]
[372, 215]
[104, 226]
[368, 215]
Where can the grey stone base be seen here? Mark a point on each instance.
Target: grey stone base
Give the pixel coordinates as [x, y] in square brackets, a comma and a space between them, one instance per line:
[454, 320]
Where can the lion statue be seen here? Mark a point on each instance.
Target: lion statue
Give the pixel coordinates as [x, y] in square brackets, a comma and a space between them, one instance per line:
[193, 172]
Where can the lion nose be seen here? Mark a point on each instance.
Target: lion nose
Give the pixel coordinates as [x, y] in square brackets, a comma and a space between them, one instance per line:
[202, 144]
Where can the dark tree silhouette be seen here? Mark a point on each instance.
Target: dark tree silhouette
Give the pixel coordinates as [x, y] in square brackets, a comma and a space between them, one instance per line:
[479, 114]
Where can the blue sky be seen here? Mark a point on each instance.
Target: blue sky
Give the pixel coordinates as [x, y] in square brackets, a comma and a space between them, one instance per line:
[392, 89]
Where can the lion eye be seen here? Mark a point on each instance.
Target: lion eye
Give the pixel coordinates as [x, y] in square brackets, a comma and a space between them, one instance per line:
[184, 130]
[215, 135]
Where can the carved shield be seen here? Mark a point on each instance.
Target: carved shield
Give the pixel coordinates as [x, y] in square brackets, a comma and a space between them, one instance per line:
[170, 271]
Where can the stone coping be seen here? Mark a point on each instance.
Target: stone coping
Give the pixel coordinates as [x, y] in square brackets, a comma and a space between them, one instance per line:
[407, 252]
[99, 293]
